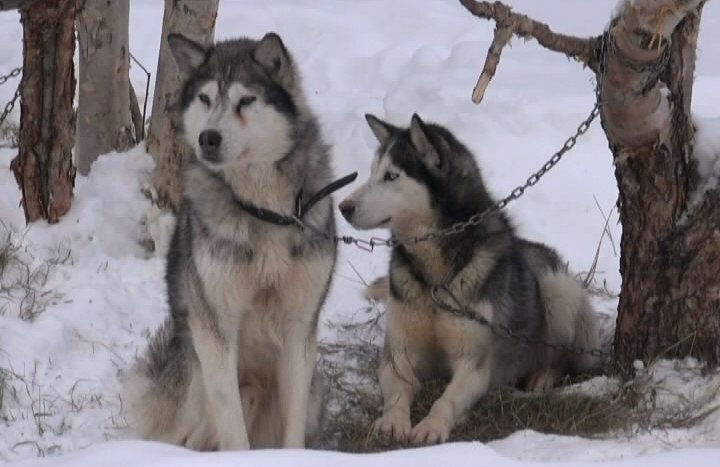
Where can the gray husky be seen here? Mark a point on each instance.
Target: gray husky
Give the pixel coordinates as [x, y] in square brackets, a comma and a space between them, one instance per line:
[423, 179]
[234, 365]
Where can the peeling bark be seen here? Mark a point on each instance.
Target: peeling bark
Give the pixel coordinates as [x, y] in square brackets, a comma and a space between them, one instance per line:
[43, 167]
[670, 263]
[194, 19]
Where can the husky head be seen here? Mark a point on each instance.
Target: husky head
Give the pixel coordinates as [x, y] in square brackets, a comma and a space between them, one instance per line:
[239, 101]
[421, 177]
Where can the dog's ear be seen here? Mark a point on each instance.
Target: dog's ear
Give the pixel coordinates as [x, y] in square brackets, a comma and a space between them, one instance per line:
[188, 54]
[382, 130]
[423, 142]
[274, 58]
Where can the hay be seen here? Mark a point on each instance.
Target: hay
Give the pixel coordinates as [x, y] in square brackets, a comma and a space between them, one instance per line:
[355, 401]
[498, 414]
[576, 408]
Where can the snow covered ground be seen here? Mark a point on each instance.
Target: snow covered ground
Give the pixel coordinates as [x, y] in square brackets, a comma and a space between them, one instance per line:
[100, 295]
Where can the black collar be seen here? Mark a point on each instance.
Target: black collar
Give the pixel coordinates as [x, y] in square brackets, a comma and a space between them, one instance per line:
[272, 217]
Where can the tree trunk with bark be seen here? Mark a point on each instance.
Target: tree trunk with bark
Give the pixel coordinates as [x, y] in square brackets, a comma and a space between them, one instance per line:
[670, 251]
[670, 263]
[194, 19]
[43, 167]
[104, 119]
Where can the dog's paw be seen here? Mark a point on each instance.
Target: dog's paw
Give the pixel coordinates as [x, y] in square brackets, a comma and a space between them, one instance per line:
[430, 430]
[394, 425]
[236, 443]
[541, 381]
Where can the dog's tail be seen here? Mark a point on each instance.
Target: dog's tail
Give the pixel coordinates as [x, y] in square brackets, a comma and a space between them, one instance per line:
[378, 290]
[570, 319]
[154, 388]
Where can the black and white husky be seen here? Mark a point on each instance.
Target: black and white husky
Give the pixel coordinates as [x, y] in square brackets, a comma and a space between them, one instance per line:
[234, 365]
[422, 180]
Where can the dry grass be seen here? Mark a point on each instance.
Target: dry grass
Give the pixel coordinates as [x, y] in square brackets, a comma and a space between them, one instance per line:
[9, 134]
[572, 409]
[22, 279]
[357, 403]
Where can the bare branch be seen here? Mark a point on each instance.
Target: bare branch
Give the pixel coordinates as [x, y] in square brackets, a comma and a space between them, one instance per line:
[578, 48]
[502, 37]
[509, 24]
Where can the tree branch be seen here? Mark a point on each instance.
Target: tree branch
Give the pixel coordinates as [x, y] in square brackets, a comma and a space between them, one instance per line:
[509, 23]
[500, 40]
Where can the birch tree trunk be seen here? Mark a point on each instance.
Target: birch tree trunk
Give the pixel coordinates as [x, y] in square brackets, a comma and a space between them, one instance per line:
[104, 120]
[194, 19]
[43, 167]
[670, 263]
[670, 250]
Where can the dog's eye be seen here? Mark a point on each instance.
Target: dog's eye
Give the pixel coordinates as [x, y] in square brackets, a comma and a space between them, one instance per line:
[204, 99]
[390, 176]
[244, 102]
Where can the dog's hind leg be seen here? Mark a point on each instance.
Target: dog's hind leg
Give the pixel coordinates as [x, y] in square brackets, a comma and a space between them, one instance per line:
[470, 381]
[217, 352]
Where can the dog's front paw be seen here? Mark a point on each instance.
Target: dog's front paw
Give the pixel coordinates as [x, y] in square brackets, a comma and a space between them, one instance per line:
[236, 443]
[431, 430]
[395, 425]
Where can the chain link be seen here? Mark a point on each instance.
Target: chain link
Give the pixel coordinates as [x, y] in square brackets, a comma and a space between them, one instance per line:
[10, 105]
[15, 72]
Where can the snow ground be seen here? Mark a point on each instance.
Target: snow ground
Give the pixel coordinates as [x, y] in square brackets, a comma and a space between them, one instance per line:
[101, 295]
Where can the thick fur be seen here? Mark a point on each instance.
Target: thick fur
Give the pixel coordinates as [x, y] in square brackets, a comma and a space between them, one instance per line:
[234, 365]
[423, 179]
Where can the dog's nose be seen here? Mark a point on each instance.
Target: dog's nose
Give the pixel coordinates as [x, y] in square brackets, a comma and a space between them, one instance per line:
[210, 140]
[347, 208]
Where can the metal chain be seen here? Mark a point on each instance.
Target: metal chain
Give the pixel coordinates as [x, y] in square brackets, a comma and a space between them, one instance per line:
[503, 330]
[499, 329]
[476, 219]
[10, 105]
[12, 74]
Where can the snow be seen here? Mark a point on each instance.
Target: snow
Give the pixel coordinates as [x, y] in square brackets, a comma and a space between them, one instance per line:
[100, 294]
[120, 454]
[707, 154]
